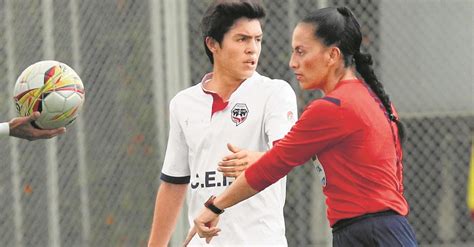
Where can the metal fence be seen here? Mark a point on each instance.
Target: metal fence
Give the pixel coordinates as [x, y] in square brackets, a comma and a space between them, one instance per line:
[96, 185]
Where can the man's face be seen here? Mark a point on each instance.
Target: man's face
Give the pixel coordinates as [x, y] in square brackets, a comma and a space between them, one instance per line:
[238, 53]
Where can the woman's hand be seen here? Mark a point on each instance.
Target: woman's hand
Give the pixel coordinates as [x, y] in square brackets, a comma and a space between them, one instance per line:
[234, 164]
[205, 226]
[206, 222]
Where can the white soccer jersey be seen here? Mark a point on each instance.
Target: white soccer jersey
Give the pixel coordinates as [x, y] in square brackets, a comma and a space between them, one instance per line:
[259, 112]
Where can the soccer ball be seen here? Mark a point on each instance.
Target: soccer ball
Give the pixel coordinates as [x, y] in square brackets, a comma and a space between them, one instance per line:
[52, 88]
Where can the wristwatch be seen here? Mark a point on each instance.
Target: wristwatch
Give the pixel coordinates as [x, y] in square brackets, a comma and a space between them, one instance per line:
[210, 205]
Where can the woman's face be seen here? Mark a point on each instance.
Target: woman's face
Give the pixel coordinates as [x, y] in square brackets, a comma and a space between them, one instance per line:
[310, 58]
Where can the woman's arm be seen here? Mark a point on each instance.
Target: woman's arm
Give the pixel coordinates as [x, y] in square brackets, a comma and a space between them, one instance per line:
[205, 224]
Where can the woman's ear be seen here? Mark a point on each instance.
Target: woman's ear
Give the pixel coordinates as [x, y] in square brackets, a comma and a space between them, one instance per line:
[335, 55]
[211, 44]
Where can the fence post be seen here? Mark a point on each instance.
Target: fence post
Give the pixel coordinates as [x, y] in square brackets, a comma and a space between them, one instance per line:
[51, 144]
[16, 184]
[81, 143]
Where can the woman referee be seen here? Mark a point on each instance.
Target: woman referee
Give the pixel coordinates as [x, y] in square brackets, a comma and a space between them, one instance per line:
[354, 130]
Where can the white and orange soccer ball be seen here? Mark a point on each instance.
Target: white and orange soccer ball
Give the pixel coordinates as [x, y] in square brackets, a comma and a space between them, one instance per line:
[52, 88]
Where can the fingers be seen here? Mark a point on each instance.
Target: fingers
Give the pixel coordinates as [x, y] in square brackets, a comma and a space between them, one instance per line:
[235, 168]
[233, 163]
[209, 233]
[232, 148]
[190, 236]
[42, 133]
[235, 156]
[232, 170]
[45, 134]
[34, 116]
[203, 233]
[206, 223]
[234, 160]
[22, 127]
[206, 232]
[236, 153]
[36, 134]
[51, 133]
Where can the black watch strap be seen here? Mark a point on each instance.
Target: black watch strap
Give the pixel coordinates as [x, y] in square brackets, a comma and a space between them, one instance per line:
[210, 205]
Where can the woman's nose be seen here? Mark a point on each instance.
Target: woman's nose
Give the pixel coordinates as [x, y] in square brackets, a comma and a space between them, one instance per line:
[292, 62]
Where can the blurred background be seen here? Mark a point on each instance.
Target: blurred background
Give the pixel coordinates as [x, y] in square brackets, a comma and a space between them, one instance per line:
[96, 185]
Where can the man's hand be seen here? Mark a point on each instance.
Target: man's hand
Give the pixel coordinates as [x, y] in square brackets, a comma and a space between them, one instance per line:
[234, 164]
[21, 127]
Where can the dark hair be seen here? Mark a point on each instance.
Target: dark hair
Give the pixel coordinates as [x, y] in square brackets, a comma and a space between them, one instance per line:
[221, 15]
[339, 27]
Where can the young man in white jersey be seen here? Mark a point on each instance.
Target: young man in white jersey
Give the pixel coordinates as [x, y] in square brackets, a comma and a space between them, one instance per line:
[233, 104]
[21, 127]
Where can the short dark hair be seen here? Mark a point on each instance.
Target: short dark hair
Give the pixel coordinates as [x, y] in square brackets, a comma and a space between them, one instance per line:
[221, 15]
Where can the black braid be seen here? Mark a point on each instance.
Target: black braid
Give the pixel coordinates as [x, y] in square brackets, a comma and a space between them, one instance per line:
[344, 11]
[364, 67]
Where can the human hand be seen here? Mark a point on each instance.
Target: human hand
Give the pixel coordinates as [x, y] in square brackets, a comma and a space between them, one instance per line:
[234, 164]
[21, 127]
[205, 226]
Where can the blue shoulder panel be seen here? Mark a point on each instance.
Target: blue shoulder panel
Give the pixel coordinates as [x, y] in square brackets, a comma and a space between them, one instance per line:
[333, 100]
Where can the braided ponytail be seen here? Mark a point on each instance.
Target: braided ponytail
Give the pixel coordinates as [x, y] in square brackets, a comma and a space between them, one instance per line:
[364, 67]
[345, 11]
[339, 27]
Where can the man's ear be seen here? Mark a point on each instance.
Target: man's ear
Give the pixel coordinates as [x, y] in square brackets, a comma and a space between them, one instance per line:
[211, 44]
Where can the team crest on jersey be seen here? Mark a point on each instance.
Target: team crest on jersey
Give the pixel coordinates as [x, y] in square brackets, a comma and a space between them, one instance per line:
[290, 116]
[239, 113]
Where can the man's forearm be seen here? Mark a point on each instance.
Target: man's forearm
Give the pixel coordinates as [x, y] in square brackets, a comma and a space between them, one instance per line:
[169, 201]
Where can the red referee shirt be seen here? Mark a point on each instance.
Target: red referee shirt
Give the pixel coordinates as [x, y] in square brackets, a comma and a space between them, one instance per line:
[350, 132]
